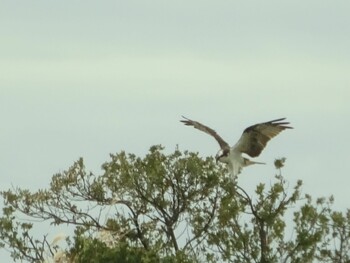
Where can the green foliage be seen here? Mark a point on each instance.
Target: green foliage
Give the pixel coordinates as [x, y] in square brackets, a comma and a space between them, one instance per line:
[94, 250]
[171, 208]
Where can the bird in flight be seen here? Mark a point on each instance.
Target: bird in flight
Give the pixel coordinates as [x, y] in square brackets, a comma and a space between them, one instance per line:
[252, 142]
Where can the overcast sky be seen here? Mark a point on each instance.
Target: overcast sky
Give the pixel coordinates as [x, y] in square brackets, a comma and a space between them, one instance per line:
[89, 78]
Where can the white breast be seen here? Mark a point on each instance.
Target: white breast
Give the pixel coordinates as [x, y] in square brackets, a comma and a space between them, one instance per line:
[235, 163]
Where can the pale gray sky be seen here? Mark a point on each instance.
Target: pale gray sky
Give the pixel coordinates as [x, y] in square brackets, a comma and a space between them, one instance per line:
[88, 78]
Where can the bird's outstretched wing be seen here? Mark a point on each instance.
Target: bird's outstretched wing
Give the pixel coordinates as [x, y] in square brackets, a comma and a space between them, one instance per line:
[206, 129]
[255, 138]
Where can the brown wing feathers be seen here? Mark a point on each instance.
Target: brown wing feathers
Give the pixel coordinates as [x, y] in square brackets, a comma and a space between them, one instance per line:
[255, 138]
[207, 130]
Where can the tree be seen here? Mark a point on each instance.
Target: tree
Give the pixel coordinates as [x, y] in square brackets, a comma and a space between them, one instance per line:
[174, 207]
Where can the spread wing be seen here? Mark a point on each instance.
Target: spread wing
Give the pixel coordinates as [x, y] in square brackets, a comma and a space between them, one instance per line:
[255, 138]
[206, 129]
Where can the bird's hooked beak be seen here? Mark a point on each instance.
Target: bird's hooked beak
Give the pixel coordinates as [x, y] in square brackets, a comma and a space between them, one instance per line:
[217, 159]
[221, 156]
[218, 156]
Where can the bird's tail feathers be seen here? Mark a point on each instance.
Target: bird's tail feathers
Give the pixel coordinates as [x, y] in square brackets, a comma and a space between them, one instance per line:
[249, 162]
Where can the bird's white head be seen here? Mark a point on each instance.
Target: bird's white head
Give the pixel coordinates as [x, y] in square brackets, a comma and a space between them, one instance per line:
[222, 156]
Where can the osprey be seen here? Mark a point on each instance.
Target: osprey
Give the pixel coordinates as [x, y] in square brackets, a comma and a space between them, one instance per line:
[252, 142]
